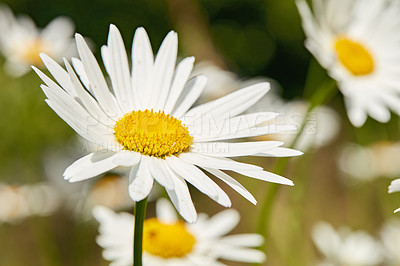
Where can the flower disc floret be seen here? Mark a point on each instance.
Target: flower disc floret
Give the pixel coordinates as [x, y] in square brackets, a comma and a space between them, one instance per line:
[152, 133]
[354, 56]
[167, 240]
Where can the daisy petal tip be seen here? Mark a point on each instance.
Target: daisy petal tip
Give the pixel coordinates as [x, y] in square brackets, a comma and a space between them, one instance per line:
[397, 210]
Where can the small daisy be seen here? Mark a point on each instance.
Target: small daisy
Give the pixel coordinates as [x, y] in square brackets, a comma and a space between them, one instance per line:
[168, 241]
[365, 163]
[346, 247]
[21, 41]
[144, 121]
[395, 187]
[357, 42]
[390, 237]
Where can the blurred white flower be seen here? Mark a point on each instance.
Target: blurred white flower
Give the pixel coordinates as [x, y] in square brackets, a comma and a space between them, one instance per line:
[168, 241]
[21, 41]
[390, 237]
[20, 202]
[357, 42]
[379, 159]
[345, 247]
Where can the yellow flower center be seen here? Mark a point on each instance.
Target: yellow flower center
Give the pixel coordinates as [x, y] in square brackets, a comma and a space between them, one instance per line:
[154, 134]
[354, 56]
[167, 240]
[31, 50]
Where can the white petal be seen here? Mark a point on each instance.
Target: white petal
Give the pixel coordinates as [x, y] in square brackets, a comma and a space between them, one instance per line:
[226, 149]
[394, 186]
[141, 180]
[190, 95]
[198, 179]
[232, 104]
[180, 197]
[91, 165]
[158, 169]
[165, 212]
[216, 163]
[182, 74]
[80, 70]
[88, 101]
[119, 68]
[233, 184]
[142, 66]
[59, 74]
[58, 29]
[127, 158]
[243, 255]
[164, 67]
[244, 240]
[280, 152]
[267, 176]
[221, 223]
[96, 79]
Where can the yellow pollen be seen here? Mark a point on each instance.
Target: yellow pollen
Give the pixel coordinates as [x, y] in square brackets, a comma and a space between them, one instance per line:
[167, 240]
[354, 56]
[153, 134]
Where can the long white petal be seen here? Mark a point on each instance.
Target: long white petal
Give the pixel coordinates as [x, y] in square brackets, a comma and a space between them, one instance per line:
[96, 79]
[198, 179]
[91, 165]
[216, 163]
[226, 149]
[232, 183]
[180, 197]
[190, 95]
[164, 67]
[119, 68]
[160, 173]
[140, 180]
[142, 67]
[267, 176]
[182, 74]
[232, 104]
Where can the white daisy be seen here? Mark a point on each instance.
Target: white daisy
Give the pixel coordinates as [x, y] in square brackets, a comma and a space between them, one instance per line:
[390, 236]
[21, 41]
[145, 121]
[357, 42]
[364, 163]
[168, 241]
[346, 247]
[395, 187]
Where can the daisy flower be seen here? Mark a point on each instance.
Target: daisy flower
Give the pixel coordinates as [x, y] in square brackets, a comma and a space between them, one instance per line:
[144, 120]
[395, 187]
[346, 247]
[169, 241]
[357, 42]
[390, 237]
[21, 41]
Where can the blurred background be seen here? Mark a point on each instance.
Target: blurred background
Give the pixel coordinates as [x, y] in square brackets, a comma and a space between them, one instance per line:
[343, 179]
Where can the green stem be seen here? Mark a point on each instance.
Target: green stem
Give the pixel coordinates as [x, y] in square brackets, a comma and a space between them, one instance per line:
[324, 92]
[140, 213]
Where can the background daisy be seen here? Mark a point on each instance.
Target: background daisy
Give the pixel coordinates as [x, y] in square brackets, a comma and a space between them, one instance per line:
[168, 241]
[356, 41]
[21, 41]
